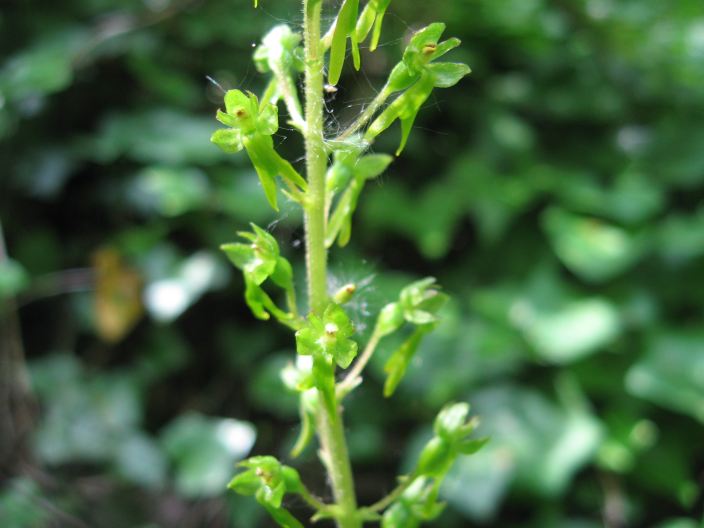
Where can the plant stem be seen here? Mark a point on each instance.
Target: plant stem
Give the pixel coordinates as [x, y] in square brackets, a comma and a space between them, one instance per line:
[391, 497]
[288, 92]
[330, 427]
[316, 160]
[365, 116]
[312, 500]
[352, 378]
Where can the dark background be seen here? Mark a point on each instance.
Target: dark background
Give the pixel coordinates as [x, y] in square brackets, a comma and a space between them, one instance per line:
[556, 194]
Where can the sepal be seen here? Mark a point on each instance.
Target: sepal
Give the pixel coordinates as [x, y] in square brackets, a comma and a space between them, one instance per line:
[228, 139]
[344, 29]
[372, 16]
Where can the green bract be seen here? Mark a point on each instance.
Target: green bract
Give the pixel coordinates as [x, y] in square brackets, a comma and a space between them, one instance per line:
[252, 126]
[417, 75]
[344, 29]
[398, 362]
[372, 15]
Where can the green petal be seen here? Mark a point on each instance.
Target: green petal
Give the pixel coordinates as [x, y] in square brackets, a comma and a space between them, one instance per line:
[306, 341]
[268, 122]
[245, 483]
[345, 353]
[239, 254]
[228, 139]
[447, 74]
[373, 165]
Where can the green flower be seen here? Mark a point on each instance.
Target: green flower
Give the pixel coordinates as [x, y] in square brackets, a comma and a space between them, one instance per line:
[328, 337]
[417, 75]
[421, 301]
[251, 127]
[279, 50]
[418, 304]
[349, 173]
[418, 503]
[268, 480]
[260, 260]
[452, 438]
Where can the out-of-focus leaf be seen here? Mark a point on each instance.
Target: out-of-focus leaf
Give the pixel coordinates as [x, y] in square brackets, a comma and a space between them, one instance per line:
[167, 297]
[44, 68]
[162, 353]
[632, 198]
[681, 237]
[592, 249]
[488, 476]
[535, 444]
[570, 332]
[204, 450]
[559, 326]
[156, 136]
[679, 523]
[18, 504]
[169, 191]
[13, 278]
[140, 460]
[44, 173]
[265, 390]
[118, 304]
[628, 435]
[670, 372]
[85, 418]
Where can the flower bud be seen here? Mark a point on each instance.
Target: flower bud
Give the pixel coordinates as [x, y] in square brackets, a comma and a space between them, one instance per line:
[344, 294]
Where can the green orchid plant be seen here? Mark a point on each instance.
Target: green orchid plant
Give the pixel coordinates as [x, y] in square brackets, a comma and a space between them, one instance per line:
[327, 343]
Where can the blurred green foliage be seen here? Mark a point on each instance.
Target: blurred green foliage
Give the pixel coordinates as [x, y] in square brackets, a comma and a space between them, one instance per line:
[556, 194]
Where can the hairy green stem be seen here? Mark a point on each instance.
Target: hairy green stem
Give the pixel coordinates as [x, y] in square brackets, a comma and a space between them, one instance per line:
[312, 501]
[391, 497]
[352, 379]
[316, 160]
[365, 116]
[290, 97]
[330, 427]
